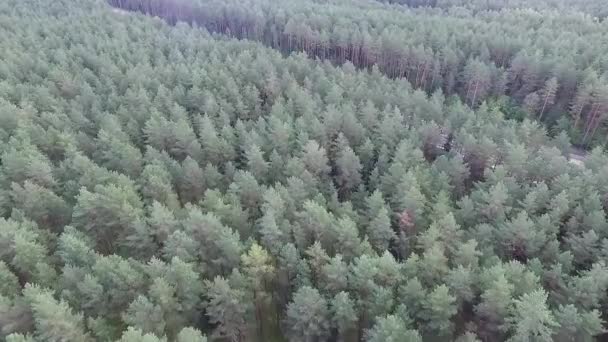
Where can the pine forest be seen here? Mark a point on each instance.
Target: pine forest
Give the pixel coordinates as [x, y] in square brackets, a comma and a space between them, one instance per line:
[303, 170]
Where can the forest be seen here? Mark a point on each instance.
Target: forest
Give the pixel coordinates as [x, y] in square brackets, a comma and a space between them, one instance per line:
[592, 7]
[303, 170]
[548, 66]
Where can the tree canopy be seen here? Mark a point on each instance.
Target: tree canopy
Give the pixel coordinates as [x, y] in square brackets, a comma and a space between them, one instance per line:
[344, 171]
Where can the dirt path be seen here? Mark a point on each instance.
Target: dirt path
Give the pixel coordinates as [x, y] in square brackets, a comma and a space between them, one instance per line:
[578, 156]
[120, 11]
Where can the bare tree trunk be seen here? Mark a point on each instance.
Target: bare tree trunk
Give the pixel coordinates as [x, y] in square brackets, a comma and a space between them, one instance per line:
[590, 123]
[542, 111]
[475, 94]
[597, 124]
[578, 117]
[466, 96]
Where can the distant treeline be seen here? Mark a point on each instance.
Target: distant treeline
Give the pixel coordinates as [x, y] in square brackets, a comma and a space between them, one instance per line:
[551, 64]
[595, 8]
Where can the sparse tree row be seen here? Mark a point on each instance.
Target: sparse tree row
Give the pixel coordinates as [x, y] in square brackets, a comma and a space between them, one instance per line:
[161, 184]
[547, 65]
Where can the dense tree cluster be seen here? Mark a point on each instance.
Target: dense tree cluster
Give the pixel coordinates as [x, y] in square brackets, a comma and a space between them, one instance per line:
[551, 63]
[596, 8]
[158, 183]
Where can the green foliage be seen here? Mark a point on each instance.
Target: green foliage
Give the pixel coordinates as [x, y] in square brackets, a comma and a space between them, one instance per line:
[392, 328]
[439, 309]
[136, 335]
[343, 313]
[189, 334]
[54, 320]
[307, 316]
[393, 183]
[226, 307]
[532, 318]
[9, 283]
